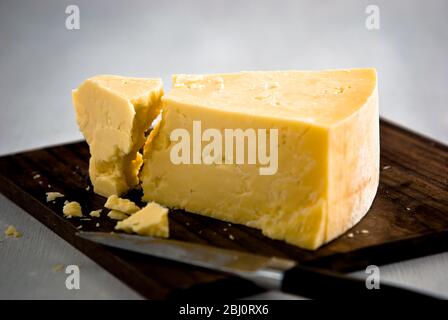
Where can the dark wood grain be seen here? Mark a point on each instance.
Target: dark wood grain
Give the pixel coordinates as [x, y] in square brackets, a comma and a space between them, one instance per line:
[409, 218]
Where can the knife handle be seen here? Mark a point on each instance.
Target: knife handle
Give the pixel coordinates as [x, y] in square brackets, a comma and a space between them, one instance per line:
[322, 284]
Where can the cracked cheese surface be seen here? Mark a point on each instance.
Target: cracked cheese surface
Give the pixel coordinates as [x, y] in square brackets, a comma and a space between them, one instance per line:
[113, 113]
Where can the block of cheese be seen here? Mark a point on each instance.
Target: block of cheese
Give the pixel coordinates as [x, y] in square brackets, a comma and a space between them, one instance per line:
[113, 113]
[311, 171]
[152, 220]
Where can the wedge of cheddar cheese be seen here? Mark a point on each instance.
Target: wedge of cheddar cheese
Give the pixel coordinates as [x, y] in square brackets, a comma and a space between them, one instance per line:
[113, 113]
[327, 146]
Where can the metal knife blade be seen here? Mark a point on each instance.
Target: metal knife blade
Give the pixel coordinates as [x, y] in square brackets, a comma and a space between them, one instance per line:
[268, 272]
[265, 271]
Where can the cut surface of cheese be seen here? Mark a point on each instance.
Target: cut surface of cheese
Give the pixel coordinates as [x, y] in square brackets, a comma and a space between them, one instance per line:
[152, 220]
[123, 205]
[326, 139]
[113, 113]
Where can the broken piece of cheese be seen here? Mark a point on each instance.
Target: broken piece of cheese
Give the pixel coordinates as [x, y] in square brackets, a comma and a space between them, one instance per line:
[123, 205]
[328, 151]
[113, 113]
[152, 220]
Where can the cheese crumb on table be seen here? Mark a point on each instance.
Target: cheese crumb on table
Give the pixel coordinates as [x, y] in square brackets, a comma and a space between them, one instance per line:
[36, 176]
[152, 220]
[117, 215]
[11, 231]
[51, 196]
[95, 213]
[58, 267]
[122, 205]
[72, 209]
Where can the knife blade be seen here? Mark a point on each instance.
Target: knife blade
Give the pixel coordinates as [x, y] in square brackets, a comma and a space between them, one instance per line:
[268, 272]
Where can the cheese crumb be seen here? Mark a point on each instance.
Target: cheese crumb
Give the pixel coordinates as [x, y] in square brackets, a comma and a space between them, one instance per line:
[350, 235]
[58, 267]
[97, 224]
[95, 213]
[79, 227]
[11, 231]
[72, 209]
[152, 220]
[386, 167]
[407, 208]
[231, 237]
[51, 196]
[122, 205]
[117, 215]
[364, 231]
[36, 176]
[87, 188]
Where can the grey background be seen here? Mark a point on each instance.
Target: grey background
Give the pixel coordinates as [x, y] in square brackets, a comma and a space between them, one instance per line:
[41, 61]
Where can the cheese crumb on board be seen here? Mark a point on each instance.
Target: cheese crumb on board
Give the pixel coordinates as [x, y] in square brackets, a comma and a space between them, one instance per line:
[97, 224]
[122, 205]
[11, 231]
[72, 209]
[152, 220]
[51, 196]
[95, 213]
[36, 176]
[117, 215]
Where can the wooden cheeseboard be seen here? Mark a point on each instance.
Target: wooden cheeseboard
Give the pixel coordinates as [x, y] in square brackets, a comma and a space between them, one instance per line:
[409, 218]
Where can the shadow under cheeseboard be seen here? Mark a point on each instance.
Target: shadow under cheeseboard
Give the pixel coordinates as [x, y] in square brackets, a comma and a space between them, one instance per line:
[409, 218]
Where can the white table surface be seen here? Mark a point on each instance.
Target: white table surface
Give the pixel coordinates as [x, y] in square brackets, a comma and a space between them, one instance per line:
[41, 61]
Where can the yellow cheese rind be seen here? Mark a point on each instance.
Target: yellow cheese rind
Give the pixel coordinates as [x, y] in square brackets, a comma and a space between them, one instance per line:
[113, 113]
[122, 205]
[328, 151]
[152, 220]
